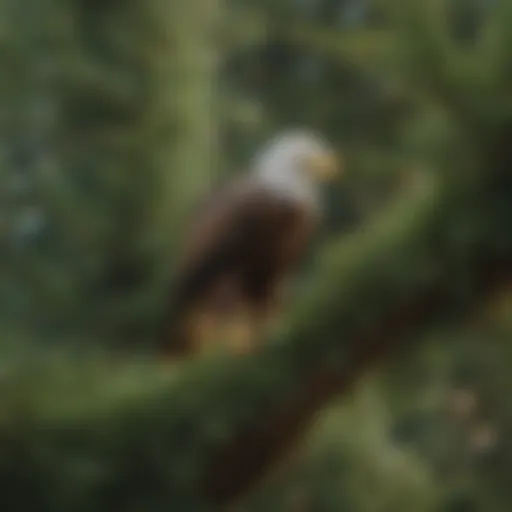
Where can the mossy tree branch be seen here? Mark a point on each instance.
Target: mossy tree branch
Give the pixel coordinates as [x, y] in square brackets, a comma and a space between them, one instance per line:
[83, 440]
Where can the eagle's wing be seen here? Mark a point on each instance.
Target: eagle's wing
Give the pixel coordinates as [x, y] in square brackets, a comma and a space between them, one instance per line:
[213, 237]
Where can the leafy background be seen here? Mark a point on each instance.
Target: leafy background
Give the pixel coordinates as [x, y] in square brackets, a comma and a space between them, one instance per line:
[115, 116]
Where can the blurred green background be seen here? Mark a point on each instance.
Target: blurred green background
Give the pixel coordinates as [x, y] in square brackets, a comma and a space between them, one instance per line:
[115, 116]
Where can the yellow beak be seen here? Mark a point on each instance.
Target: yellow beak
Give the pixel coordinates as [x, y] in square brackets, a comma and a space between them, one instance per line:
[325, 167]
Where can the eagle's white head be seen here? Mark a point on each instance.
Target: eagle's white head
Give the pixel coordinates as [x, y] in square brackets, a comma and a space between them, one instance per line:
[294, 164]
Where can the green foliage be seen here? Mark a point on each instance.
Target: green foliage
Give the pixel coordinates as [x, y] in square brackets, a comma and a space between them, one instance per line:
[349, 450]
[103, 129]
[113, 121]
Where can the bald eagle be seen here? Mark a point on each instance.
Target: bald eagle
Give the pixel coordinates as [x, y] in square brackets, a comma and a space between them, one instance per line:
[242, 244]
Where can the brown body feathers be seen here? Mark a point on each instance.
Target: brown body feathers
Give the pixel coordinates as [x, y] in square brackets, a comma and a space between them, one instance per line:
[241, 245]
